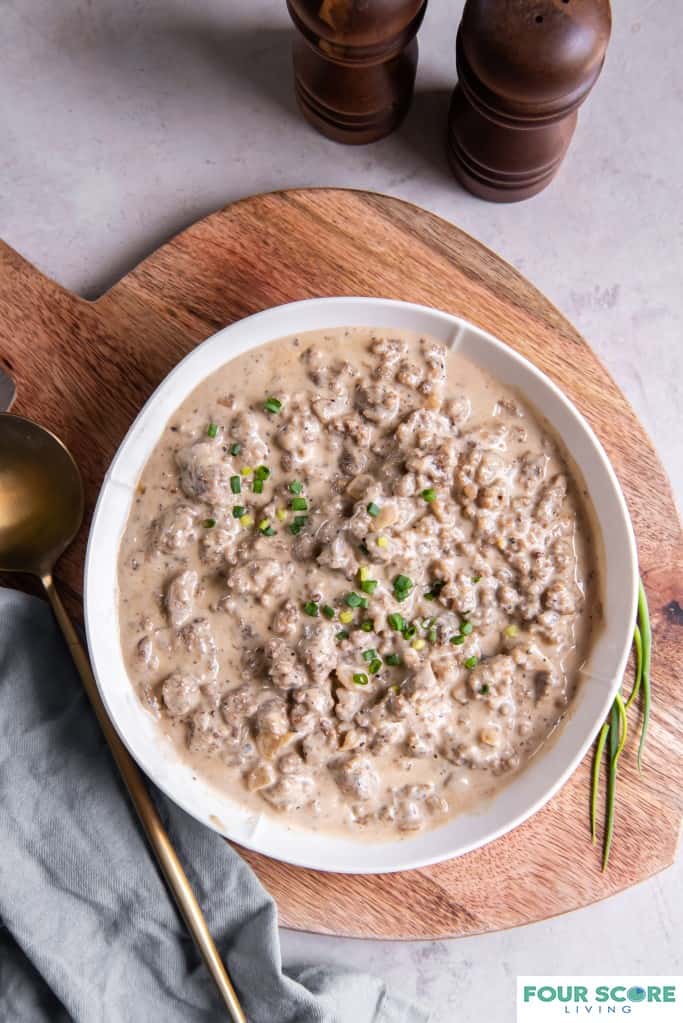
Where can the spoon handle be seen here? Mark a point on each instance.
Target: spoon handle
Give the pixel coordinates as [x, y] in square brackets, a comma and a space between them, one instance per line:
[149, 818]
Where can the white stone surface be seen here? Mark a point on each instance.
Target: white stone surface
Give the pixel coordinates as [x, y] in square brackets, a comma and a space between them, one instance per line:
[123, 121]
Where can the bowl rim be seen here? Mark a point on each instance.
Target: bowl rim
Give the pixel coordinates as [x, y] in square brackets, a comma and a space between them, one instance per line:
[270, 835]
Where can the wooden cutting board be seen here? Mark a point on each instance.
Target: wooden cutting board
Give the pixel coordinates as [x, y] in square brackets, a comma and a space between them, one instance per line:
[84, 368]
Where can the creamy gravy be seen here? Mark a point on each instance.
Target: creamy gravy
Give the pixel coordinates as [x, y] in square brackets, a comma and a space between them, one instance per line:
[357, 582]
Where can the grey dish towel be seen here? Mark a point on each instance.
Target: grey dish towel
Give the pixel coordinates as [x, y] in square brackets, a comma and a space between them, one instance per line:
[87, 929]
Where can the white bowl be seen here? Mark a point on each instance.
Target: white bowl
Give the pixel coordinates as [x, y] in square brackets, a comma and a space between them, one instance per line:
[544, 775]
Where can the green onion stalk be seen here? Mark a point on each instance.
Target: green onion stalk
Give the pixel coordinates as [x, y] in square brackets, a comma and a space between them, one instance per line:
[615, 728]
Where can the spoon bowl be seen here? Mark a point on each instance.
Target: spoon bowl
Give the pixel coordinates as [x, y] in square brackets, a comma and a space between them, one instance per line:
[41, 496]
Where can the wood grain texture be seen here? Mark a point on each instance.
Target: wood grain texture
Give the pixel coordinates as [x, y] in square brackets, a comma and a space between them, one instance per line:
[84, 368]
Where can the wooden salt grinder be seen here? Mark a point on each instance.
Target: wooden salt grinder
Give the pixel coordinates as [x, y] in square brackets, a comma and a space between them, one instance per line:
[524, 68]
[354, 64]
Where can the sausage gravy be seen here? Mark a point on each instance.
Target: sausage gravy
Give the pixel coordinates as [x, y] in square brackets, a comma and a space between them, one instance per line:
[358, 582]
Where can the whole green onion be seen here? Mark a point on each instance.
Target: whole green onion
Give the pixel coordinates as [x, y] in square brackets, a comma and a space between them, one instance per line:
[646, 633]
[616, 727]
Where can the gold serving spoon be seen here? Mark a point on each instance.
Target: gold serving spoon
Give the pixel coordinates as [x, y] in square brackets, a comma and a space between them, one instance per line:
[41, 509]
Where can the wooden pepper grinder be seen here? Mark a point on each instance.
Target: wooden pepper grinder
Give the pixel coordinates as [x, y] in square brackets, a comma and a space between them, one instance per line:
[524, 68]
[355, 63]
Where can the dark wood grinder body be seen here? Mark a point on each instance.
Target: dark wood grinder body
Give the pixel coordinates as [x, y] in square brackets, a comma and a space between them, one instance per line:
[354, 64]
[524, 68]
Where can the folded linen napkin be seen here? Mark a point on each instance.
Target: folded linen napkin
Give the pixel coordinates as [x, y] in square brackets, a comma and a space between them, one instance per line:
[88, 931]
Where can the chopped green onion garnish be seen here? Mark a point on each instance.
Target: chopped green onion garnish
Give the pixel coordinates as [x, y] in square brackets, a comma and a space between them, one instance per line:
[269, 531]
[258, 486]
[328, 611]
[409, 632]
[342, 634]
[457, 640]
[364, 603]
[311, 608]
[393, 660]
[369, 585]
[484, 689]
[212, 429]
[476, 578]
[471, 662]
[238, 511]
[262, 472]
[301, 520]
[272, 405]
[235, 449]
[397, 622]
[431, 635]
[369, 655]
[299, 504]
[466, 628]
[436, 589]
[295, 528]
[373, 509]
[209, 523]
[346, 617]
[375, 666]
[360, 678]
[403, 582]
[429, 495]
[236, 484]
[367, 626]
[353, 600]
[296, 487]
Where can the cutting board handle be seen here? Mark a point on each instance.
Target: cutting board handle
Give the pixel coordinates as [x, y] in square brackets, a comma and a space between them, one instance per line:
[23, 288]
[35, 311]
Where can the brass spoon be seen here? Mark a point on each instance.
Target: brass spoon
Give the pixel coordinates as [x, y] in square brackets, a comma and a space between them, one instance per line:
[41, 509]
